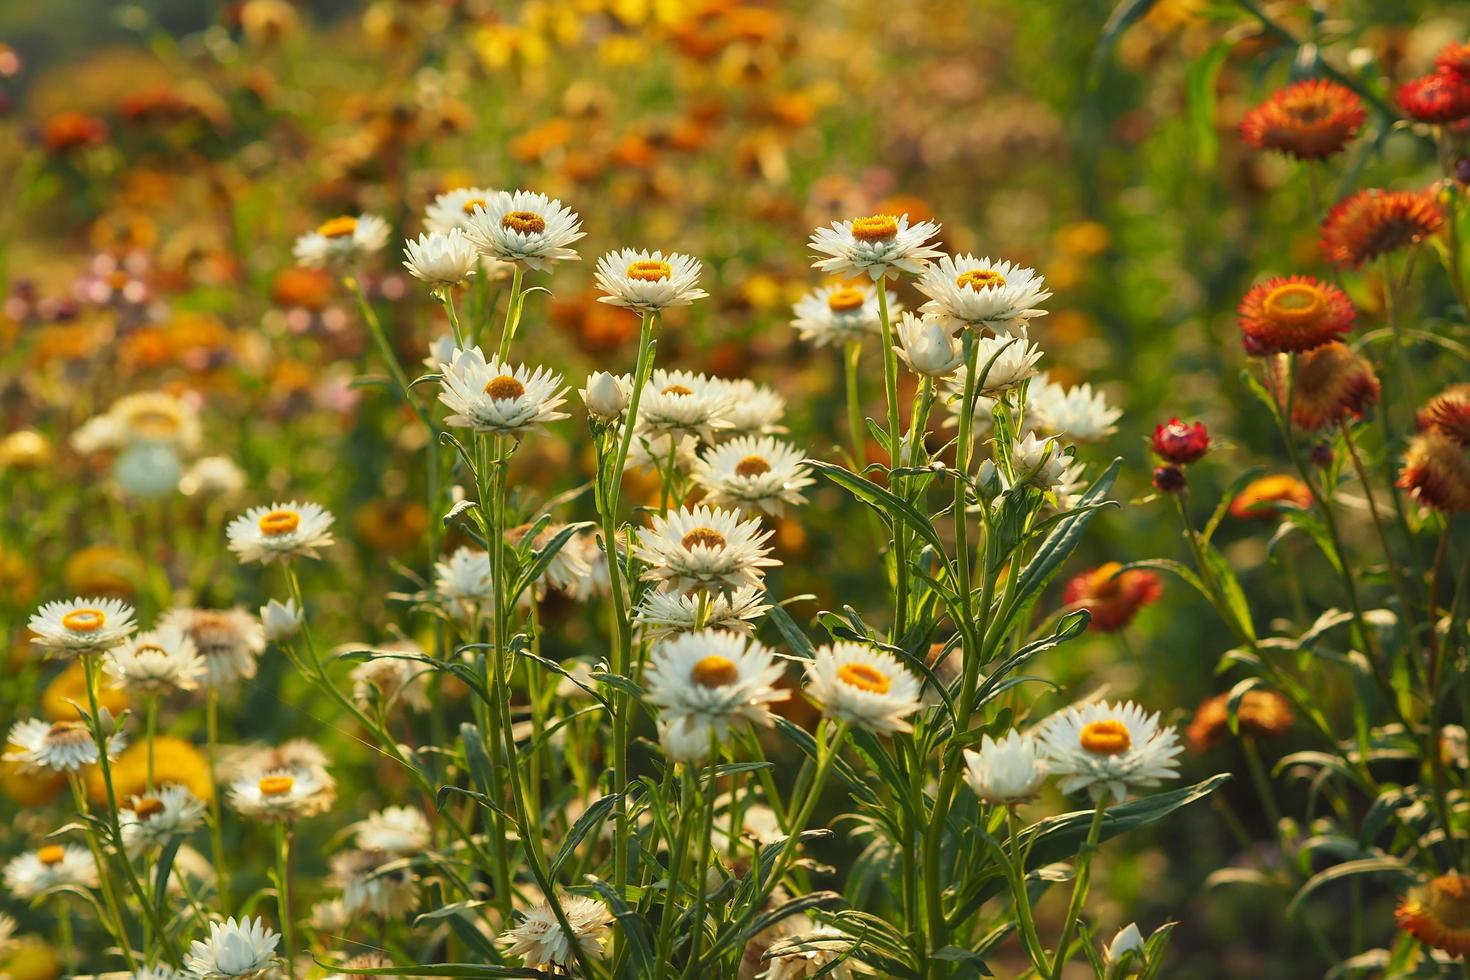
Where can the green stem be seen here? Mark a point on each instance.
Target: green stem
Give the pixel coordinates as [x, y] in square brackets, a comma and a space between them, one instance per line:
[1079, 887]
[283, 897]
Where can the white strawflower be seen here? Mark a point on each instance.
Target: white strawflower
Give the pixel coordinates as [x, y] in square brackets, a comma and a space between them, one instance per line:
[751, 409]
[524, 227]
[281, 532]
[157, 662]
[149, 822]
[49, 866]
[684, 741]
[488, 396]
[1039, 461]
[1079, 413]
[62, 746]
[82, 626]
[833, 316]
[753, 473]
[153, 418]
[451, 210]
[441, 258]
[244, 950]
[652, 451]
[813, 952]
[864, 686]
[648, 281]
[606, 395]
[212, 476]
[1007, 771]
[927, 347]
[876, 246]
[341, 241]
[463, 579]
[712, 679]
[683, 403]
[1002, 362]
[704, 548]
[281, 621]
[662, 612]
[566, 568]
[374, 882]
[538, 937]
[1126, 951]
[279, 795]
[230, 640]
[1108, 748]
[982, 294]
[399, 830]
[390, 680]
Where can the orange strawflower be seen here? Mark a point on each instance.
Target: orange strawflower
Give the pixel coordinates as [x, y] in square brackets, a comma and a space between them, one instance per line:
[1374, 222]
[1436, 471]
[1309, 120]
[1260, 712]
[1255, 500]
[1112, 597]
[1293, 313]
[1442, 97]
[1333, 382]
[1438, 914]
[1448, 413]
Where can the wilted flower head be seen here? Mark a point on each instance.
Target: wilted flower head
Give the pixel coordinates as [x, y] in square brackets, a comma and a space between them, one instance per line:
[1436, 471]
[229, 640]
[1448, 413]
[1333, 383]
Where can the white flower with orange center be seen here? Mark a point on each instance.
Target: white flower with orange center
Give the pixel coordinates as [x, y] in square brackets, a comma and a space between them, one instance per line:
[982, 294]
[683, 403]
[451, 210]
[280, 532]
[753, 473]
[244, 950]
[751, 409]
[663, 612]
[713, 678]
[704, 548]
[153, 417]
[1108, 748]
[82, 625]
[863, 686]
[832, 316]
[875, 246]
[49, 866]
[63, 746]
[341, 241]
[152, 820]
[441, 258]
[524, 227]
[488, 396]
[648, 281]
[280, 794]
[157, 662]
[538, 938]
[229, 640]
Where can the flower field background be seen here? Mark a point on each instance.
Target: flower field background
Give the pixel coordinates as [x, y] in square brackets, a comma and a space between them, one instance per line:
[1034, 438]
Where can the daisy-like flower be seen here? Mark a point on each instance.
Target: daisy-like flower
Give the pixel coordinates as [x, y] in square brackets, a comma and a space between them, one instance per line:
[1441, 97]
[1438, 913]
[928, 347]
[651, 451]
[281, 532]
[1039, 462]
[1309, 120]
[1448, 413]
[713, 679]
[1293, 313]
[243, 950]
[151, 417]
[488, 396]
[751, 409]
[833, 316]
[299, 758]
[157, 662]
[463, 579]
[401, 830]
[1079, 413]
[1333, 383]
[1260, 712]
[867, 687]
[814, 951]
[538, 937]
[341, 241]
[1112, 595]
[229, 640]
[982, 294]
[375, 883]
[753, 473]
[1108, 748]
[212, 476]
[565, 570]
[279, 795]
[1256, 497]
[50, 866]
[1179, 442]
[451, 210]
[63, 746]
[82, 626]
[1374, 222]
[1436, 472]
[683, 403]
[524, 227]
[876, 246]
[663, 612]
[391, 681]
[705, 548]
[441, 258]
[648, 281]
[1006, 771]
[149, 822]
[1002, 362]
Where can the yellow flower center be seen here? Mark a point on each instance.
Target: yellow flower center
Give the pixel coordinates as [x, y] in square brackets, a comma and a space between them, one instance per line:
[338, 227]
[978, 279]
[525, 222]
[864, 677]
[84, 620]
[156, 421]
[276, 785]
[1295, 303]
[752, 466]
[1108, 736]
[147, 806]
[472, 203]
[279, 522]
[845, 300]
[504, 388]
[676, 390]
[875, 228]
[650, 270]
[705, 537]
[715, 671]
[51, 854]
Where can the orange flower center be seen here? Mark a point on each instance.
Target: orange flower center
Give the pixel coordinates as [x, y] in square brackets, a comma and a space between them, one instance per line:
[474, 202]
[876, 228]
[147, 807]
[676, 390]
[338, 227]
[51, 854]
[276, 785]
[525, 222]
[845, 300]
[752, 466]
[155, 421]
[1295, 303]
[1449, 901]
[704, 537]
[84, 620]
[864, 677]
[715, 671]
[1106, 737]
[504, 387]
[649, 270]
[978, 279]
[279, 522]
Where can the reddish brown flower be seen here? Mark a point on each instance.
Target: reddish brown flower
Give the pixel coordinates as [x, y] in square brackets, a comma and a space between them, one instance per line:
[1169, 479]
[1448, 413]
[1333, 382]
[1438, 914]
[1293, 313]
[1113, 596]
[67, 131]
[1308, 120]
[1436, 471]
[1442, 97]
[1373, 222]
[1254, 502]
[1262, 713]
[1179, 443]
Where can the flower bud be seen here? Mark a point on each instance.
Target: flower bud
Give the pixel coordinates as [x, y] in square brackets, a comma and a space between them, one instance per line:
[1125, 954]
[606, 396]
[1179, 443]
[280, 622]
[1169, 479]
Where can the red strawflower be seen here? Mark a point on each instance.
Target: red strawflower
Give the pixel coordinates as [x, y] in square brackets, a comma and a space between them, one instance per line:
[1113, 596]
[1308, 120]
[1442, 97]
[1448, 413]
[1179, 443]
[1436, 472]
[1332, 383]
[1293, 313]
[1454, 58]
[1371, 223]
